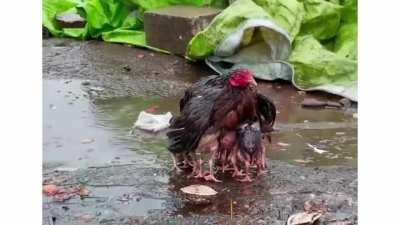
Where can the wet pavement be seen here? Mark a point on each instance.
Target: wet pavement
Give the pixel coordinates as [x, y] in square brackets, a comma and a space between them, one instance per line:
[92, 95]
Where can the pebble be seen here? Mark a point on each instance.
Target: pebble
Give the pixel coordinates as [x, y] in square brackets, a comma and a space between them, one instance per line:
[127, 68]
[52, 107]
[85, 83]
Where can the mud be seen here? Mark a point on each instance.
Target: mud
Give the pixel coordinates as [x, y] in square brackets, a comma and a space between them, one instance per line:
[92, 94]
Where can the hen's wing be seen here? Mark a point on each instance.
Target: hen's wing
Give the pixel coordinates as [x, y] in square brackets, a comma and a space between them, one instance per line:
[196, 108]
[198, 88]
[266, 111]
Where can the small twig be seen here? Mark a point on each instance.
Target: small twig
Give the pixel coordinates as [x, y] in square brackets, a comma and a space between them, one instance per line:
[109, 166]
[231, 210]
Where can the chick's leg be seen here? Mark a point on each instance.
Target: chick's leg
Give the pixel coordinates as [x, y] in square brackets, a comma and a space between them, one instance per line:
[247, 175]
[261, 167]
[234, 160]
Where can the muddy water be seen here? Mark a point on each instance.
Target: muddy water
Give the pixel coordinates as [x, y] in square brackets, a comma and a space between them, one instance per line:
[80, 132]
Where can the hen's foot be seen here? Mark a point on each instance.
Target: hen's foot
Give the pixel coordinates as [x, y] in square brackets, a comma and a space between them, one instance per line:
[237, 173]
[262, 172]
[211, 177]
[246, 179]
[176, 169]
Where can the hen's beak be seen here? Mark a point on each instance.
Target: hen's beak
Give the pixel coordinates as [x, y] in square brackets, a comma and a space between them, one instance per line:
[253, 82]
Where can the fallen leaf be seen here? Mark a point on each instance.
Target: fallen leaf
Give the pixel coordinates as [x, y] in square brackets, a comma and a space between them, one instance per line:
[201, 190]
[50, 189]
[83, 192]
[303, 218]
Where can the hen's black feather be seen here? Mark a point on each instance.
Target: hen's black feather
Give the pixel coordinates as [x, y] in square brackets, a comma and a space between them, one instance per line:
[195, 107]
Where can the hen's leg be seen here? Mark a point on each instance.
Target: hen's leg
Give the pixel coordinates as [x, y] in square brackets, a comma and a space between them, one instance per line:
[261, 168]
[233, 160]
[199, 169]
[187, 160]
[210, 176]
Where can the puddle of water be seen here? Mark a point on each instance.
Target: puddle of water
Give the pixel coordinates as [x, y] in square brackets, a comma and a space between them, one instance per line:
[79, 132]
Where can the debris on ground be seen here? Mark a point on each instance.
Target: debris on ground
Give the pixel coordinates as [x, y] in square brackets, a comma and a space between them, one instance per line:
[50, 189]
[65, 169]
[303, 218]
[315, 103]
[152, 122]
[312, 206]
[199, 194]
[315, 149]
[87, 140]
[64, 193]
[282, 144]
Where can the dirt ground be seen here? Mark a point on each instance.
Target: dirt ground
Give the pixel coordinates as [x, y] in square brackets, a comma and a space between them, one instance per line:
[92, 94]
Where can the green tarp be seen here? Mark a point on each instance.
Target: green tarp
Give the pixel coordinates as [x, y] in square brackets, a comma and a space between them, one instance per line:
[312, 43]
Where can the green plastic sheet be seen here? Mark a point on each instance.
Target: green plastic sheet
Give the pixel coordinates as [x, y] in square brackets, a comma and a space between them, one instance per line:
[312, 43]
[323, 36]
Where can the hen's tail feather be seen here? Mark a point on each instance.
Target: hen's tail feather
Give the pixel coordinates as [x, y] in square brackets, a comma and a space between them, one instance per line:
[267, 110]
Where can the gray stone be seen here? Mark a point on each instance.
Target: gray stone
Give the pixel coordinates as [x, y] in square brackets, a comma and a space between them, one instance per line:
[171, 28]
[70, 20]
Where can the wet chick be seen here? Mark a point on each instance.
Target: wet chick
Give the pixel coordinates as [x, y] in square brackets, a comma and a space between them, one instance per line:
[249, 150]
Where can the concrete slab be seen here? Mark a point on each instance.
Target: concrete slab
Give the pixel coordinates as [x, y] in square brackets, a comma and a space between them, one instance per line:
[171, 28]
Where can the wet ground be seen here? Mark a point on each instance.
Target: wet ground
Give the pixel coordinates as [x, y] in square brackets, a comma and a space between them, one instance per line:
[92, 94]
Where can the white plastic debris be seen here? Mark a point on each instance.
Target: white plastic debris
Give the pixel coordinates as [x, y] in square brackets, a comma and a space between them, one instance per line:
[317, 150]
[152, 122]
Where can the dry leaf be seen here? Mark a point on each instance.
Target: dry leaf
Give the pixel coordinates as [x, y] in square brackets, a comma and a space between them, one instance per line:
[83, 192]
[50, 189]
[201, 190]
[303, 218]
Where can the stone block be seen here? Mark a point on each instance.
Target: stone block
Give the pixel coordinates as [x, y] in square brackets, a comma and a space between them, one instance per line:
[171, 28]
[70, 20]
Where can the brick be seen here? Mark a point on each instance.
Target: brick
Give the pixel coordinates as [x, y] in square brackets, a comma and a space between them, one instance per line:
[70, 20]
[171, 28]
